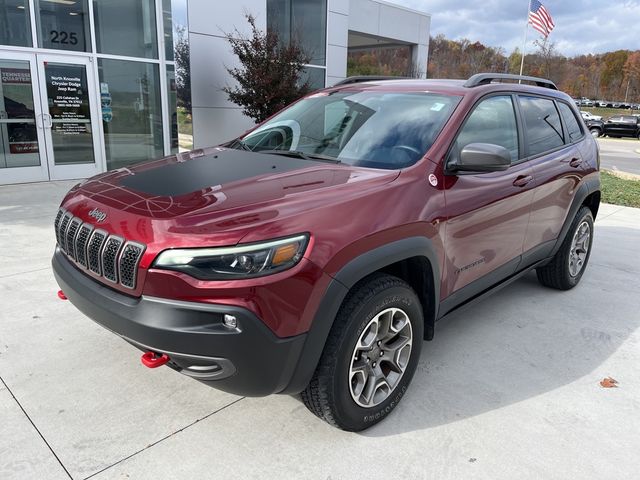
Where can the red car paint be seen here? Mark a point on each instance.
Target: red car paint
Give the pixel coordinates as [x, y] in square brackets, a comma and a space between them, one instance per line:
[347, 211]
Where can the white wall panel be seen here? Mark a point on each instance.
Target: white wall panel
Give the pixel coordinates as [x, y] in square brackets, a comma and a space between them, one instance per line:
[212, 126]
[209, 56]
[337, 61]
[337, 29]
[364, 16]
[213, 17]
[339, 6]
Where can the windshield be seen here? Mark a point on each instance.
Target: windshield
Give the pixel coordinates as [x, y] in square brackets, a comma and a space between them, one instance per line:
[369, 129]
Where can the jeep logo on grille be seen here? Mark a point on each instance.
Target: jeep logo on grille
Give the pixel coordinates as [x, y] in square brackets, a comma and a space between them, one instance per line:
[99, 215]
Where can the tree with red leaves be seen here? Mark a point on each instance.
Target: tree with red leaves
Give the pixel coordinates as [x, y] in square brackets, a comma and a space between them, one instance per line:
[268, 77]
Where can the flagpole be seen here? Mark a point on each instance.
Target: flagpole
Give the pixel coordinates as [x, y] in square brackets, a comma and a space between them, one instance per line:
[524, 44]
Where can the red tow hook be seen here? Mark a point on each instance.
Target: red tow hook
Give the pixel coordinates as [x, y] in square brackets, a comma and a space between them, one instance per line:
[61, 295]
[151, 360]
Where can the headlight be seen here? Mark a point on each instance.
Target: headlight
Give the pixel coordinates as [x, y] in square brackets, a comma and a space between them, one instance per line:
[243, 261]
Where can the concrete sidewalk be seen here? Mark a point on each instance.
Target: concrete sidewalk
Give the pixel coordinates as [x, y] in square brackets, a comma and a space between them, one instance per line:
[508, 389]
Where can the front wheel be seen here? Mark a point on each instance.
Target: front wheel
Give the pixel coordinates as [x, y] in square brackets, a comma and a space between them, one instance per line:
[595, 132]
[568, 265]
[370, 356]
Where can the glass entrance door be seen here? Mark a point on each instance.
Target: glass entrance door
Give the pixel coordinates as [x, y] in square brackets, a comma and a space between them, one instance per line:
[22, 156]
[49, 123]
[69, 116]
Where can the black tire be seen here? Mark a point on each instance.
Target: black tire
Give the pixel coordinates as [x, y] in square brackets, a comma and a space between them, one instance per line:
[557, 274]
[595, 132]
[328, 394]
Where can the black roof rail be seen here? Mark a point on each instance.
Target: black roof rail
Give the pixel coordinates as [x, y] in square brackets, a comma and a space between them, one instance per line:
[486, 78]
[366, 78]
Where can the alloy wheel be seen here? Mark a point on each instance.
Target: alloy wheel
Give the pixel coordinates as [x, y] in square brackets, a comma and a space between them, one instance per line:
[380, 357]
[579, 248]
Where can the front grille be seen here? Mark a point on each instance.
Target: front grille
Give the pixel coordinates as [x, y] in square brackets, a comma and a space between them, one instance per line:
[70, 243]
[108, 256]
[129, 257]
[81, 244]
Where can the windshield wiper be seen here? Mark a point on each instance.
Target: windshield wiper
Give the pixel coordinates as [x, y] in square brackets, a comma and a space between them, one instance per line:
[239, 143]
[302, 155]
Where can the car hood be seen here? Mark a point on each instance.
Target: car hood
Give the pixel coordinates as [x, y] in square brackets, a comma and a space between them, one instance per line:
[215, 196]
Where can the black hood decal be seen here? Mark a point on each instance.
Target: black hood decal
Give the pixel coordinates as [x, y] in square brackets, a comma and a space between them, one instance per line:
[217, 168]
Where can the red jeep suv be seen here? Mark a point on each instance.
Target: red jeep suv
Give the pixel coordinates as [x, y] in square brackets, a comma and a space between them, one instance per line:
[315, 253]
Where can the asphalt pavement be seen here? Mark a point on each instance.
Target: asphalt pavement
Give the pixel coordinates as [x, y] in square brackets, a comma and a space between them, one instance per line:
[508, 389]
[620, 154]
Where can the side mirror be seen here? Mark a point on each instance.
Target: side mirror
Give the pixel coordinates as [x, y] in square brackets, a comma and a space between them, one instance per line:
[483, 157]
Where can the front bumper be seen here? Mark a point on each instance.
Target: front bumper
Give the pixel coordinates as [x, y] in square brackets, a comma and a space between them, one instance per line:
[248, 360]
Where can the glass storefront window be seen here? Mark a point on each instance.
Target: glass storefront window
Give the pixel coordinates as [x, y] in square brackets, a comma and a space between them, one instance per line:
[18, 136]
[303, 20]
[63, 25]
[126, 27]
[68, 100]
[174, 18]
[315, 77]
[15, 25]
[172, 98]
[133, 125]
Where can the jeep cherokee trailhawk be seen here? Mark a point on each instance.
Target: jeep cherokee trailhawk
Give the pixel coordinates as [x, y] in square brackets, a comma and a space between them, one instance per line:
[315, 253]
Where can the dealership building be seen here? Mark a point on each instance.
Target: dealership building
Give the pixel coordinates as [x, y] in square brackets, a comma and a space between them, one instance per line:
[87, 86]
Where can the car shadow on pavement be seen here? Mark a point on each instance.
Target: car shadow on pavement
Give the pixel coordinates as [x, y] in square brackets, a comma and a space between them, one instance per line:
[521, 342]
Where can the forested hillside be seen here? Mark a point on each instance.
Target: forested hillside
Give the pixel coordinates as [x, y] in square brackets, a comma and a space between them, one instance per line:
[611, 76]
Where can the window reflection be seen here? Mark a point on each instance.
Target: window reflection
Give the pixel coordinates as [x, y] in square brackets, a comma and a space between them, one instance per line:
[18, 136]
[126, 27]
[133, 130]
[63, 25]
[15, 27]
[174, 17]
[302, 20]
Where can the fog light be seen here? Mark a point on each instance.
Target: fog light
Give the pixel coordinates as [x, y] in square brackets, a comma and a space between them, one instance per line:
[230, 321]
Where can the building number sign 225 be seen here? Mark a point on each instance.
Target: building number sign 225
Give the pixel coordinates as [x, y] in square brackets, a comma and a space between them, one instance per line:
[67, 38]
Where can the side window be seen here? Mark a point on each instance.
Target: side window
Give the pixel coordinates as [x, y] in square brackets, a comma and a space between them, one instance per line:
[542, 124]
[570, 122]
[492, 121]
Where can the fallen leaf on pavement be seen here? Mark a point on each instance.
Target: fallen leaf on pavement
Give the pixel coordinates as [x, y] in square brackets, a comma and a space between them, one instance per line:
[609, 383]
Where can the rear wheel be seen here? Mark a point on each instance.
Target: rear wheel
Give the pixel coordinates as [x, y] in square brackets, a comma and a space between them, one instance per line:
[370, 356]
[568, 265]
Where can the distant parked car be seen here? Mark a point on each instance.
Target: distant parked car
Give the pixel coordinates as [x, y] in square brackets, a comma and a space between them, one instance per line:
[601, 103]
[590, 116]
[623, 126]
[596, 127]
[585, 102]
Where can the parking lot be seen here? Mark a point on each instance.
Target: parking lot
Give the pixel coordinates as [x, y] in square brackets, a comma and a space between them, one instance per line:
[508, 389]
[620, 154]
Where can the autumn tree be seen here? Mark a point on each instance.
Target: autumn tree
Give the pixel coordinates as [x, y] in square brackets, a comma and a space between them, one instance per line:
[632, 75]
[269, 75]
[612, 76]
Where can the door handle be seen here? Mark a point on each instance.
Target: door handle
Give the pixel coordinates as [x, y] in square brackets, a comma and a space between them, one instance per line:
[48, 123]
[522, 180]
[575, 162]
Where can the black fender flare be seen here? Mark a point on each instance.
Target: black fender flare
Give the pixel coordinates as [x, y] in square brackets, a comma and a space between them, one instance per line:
[350, 274]
[589, 186]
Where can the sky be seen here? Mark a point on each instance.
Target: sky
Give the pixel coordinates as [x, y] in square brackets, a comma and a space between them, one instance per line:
[582, 26]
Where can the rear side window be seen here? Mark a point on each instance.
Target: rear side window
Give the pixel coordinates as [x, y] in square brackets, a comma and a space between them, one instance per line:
[542, 124]
[492, 121]
[570, 122]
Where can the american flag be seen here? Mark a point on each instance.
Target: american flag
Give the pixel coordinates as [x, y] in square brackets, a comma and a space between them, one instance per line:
[540, 18]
